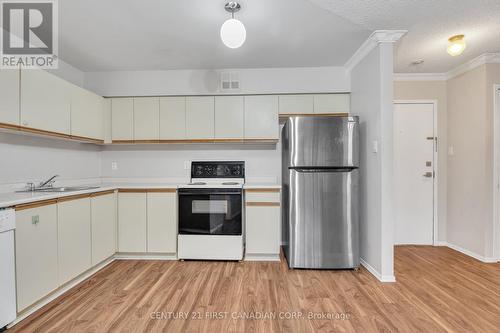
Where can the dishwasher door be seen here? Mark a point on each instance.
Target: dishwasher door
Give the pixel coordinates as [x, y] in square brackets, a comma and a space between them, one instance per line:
[7, 268]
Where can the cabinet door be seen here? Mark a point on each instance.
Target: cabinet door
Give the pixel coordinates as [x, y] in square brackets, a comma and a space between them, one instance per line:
[296, 104]
[263, 230]
[172, 118]
[9, 96]
[261, 117]
[103, 221]
[200, 117]
[131, 222]
[122, 119]
[36, 254]
[162, 222]
[146, 118]
[73, 228]
[229, 114]
[332, 103]
[87, 114]
[45, 101]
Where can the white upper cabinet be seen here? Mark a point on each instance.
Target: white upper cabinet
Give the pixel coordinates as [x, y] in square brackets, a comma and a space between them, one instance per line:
[9, 96]
[45, 101]
[296, 104]
[200, 117]
[87, 114]
[146, 118]
[229, 117]
[122, 119]
[261, 117]
[172, 118]
[332, 103]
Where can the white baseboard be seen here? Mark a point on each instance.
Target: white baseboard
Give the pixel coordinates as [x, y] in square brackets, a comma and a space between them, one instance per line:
[146, 256]
[470, 253]
[61, 290]
[374, 272]
[262, 257]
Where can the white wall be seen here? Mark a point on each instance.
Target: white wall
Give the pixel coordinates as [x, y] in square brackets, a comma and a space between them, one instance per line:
[69, 73]
[166, 162]
[192, 82]
[29, 158]
[372, 101]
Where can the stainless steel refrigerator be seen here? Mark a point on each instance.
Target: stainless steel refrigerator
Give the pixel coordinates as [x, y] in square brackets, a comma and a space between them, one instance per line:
[320, 160]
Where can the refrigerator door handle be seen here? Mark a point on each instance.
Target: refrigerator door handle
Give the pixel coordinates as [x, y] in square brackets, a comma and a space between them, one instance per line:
[329, 169]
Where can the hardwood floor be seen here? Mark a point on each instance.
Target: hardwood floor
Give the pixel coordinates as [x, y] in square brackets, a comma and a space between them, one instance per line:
[437, 290]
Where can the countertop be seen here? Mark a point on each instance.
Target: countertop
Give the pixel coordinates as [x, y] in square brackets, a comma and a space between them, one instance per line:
[11, 199]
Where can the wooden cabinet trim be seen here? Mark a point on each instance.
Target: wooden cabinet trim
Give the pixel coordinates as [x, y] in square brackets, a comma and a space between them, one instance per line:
[73, 197]
[98, 194]
[162, 190]
[274, 190]
[10, 126]
[263, 204]
[132, 190]
[36, 204]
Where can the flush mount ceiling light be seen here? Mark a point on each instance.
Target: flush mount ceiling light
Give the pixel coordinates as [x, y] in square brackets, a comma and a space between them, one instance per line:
[456, 45]
[233, 32]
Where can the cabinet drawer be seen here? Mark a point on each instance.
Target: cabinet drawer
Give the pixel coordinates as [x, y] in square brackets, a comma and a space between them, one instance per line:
[262, 197]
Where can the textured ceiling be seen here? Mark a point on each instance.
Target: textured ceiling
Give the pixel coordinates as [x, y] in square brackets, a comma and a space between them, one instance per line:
[97, 35]
[429, 24]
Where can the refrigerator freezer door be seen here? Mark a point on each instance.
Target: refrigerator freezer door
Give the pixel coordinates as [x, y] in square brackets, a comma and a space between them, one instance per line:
[321, 141]
[322, 219]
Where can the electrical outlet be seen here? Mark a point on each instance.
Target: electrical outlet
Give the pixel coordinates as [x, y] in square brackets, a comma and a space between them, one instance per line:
[35, 219]
[187, 165]
[114, 166]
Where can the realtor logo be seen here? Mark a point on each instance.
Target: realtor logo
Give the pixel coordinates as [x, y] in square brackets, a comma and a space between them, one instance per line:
[29, 34]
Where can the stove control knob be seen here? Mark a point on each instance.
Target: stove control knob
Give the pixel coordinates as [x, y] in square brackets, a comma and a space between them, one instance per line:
[236, 171]
[227, 171]
[199, 171]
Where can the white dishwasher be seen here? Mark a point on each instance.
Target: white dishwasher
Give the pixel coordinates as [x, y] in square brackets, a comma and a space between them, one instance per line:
[7, 267]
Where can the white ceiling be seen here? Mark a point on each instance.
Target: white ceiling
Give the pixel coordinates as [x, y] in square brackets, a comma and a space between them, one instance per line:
[97, 35]
[429, 23]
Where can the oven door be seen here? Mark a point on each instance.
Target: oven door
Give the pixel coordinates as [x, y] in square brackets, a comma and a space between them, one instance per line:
[210, 211]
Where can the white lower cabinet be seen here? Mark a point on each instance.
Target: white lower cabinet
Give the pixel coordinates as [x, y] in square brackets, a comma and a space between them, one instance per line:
[132, 218]
[74, 238]
[162, 222]
[103, 207]
[262, 221]
[36, 253]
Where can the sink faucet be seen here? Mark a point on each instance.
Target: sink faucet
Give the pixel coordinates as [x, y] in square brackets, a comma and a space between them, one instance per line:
[49, 182]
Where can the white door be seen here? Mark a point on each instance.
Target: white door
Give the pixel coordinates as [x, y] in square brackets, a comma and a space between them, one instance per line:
[414, 173]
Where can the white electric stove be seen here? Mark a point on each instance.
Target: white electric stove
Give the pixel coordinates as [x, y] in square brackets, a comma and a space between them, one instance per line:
[211, 212]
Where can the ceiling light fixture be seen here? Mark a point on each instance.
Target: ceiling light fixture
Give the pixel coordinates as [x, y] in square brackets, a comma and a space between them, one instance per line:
[456, 45]
[233, 32]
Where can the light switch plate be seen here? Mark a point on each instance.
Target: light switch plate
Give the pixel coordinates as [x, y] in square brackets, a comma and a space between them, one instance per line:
[375, 146]
[114, 166]
[451, 151]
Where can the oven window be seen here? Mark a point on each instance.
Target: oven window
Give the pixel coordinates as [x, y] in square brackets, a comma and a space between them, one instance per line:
[210, 213]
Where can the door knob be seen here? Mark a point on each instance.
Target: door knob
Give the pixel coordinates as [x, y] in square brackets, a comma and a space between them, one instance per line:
[428, 174]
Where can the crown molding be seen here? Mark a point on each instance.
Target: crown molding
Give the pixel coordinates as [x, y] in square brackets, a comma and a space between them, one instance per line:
[485, 58]
[420, 77]
[377, 37]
